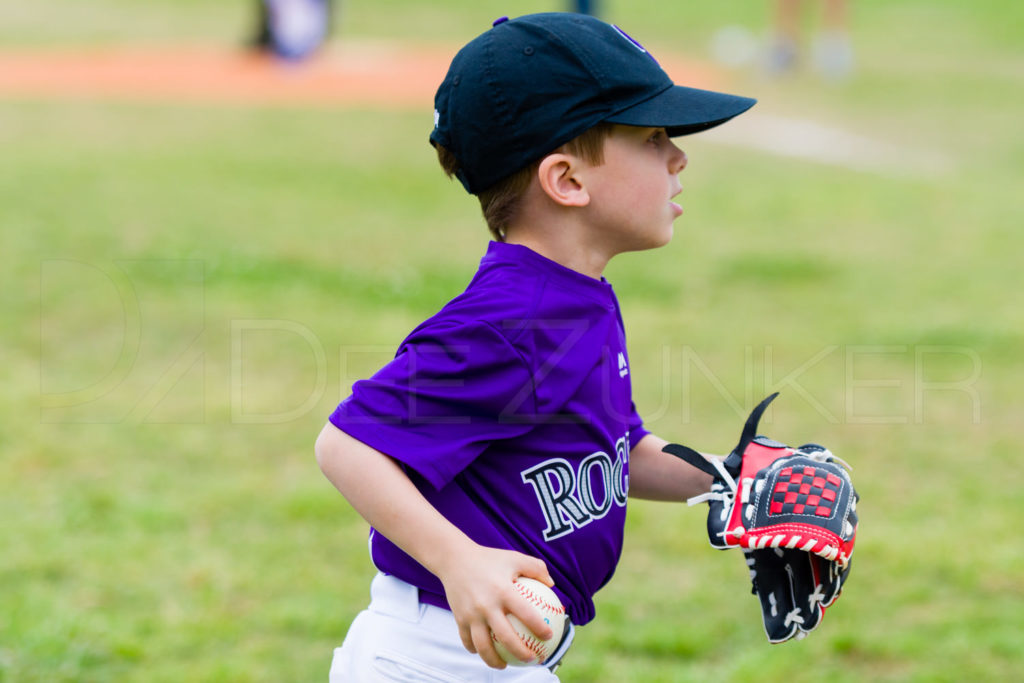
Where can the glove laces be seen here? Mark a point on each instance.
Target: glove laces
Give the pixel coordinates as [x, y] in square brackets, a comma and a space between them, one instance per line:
[725, 496]
[822, 454]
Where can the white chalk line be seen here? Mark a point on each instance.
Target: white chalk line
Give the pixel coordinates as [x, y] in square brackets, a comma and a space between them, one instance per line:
[826, 144]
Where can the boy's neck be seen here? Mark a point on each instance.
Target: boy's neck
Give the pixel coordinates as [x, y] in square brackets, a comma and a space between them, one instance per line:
[565, 248]
[581, 260]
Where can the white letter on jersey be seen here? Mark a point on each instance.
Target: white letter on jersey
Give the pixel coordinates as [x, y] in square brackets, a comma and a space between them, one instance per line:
[569, 498]
[561, 510]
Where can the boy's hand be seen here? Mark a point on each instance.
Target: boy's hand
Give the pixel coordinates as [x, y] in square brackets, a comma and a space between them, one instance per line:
[477, 580]
[478, 585]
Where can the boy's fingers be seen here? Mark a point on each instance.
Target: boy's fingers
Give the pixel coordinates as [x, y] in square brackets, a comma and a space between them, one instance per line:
[537, 569]
[503, 632]
[534, 568]
[531, 617]
[466, 635]
[485, 647]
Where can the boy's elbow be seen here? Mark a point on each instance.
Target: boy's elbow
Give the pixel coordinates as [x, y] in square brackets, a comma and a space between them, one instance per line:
[326, 446]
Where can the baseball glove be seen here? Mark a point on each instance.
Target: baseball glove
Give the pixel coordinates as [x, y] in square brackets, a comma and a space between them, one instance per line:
[794, 514]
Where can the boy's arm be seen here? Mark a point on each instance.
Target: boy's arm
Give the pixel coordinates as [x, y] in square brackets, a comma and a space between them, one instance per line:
[477, 580]
[656, 475]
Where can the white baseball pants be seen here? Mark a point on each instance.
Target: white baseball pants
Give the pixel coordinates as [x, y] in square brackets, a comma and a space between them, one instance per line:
[399, 639]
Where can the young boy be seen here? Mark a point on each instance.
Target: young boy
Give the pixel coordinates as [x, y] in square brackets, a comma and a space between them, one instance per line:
[502, 440]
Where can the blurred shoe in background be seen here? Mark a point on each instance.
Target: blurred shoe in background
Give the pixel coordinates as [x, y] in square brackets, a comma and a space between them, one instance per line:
[833, 55]
[832, 51]
[781, 56]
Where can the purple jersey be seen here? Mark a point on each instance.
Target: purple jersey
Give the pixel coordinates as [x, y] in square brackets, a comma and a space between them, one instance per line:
[511, 411]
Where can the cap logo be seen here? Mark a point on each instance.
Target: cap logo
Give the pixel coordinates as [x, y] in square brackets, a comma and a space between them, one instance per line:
[437, 118]
[632, 41]
[635, 43]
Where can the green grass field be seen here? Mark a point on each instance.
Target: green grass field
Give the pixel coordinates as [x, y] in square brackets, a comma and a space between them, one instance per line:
[189, 290]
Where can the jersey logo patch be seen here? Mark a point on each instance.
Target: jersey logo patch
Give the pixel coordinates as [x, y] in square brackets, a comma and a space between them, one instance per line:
[623, 367]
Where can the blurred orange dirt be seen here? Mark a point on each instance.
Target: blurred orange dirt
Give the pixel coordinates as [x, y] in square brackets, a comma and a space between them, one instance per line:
[350, 75]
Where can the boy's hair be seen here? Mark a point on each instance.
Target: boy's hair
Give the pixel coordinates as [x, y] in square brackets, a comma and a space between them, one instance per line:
[500, 202]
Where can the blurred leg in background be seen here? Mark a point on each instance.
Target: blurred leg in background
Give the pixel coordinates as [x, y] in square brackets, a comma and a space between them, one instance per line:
[783, 47]
[833, 53]
[261, 38]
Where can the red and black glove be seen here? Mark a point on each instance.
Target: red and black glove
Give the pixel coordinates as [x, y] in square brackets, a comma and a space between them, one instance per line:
[794, 514]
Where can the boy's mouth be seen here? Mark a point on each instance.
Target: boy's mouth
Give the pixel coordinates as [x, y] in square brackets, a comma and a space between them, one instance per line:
[676, 208]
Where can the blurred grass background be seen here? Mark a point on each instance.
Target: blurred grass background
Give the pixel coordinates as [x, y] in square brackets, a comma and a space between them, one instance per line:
[188, 291]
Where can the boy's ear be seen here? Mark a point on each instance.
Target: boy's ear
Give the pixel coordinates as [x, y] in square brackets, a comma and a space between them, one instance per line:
[559, 176]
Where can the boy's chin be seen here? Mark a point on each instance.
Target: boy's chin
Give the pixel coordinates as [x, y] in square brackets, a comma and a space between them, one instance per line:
[663, 238]
[655, 241]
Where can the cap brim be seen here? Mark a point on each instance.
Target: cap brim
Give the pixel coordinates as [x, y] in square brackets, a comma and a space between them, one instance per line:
[682, 111]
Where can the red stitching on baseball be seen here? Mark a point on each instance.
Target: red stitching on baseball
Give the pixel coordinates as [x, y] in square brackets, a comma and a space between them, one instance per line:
[535, 646]
[538, 600]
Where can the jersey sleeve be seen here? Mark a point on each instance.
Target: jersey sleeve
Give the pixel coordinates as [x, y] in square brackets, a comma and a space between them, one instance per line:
[636, 428]
[451, 390]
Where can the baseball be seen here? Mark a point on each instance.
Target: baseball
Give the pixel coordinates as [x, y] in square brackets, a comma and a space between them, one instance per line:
[547, 603]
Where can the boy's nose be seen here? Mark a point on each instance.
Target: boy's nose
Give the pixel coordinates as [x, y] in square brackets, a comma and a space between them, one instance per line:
[678, 160]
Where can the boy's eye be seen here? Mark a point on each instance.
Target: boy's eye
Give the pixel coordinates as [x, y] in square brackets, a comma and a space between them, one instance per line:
[657, 136]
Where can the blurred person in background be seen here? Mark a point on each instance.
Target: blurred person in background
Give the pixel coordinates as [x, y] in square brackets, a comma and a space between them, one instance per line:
[833, 53]
[292, 29]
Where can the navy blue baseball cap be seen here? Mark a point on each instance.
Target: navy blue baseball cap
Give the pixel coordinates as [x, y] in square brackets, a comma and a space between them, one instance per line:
[531, 84]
